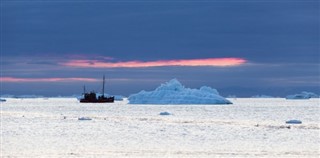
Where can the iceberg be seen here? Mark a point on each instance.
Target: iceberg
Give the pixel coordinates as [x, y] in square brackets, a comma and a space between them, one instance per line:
[302, 95]
[173, 92]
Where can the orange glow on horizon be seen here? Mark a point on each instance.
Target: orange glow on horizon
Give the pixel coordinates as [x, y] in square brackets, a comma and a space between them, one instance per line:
[13, 79]
[217, 62]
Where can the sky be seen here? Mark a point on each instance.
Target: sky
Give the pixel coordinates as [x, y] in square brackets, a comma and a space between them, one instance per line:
[241, 48]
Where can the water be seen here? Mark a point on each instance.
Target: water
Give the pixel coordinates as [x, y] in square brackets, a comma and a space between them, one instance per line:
[248, 128]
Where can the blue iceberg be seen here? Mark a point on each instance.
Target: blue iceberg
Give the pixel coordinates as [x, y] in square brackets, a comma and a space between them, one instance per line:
[173, 92]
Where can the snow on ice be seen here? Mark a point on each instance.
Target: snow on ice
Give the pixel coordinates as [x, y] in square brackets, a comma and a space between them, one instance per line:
[249, 128]
[173, 92]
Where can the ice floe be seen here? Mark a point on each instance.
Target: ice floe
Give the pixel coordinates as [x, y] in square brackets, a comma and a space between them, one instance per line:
[165, 113]
[293, 122]
[84, 118]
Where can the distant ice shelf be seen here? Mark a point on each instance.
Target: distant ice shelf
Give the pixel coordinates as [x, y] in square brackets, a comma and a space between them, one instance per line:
[303, 95]
[173, 92]
[262, 96]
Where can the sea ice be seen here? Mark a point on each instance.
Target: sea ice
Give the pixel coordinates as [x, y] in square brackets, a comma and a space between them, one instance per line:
[250, 127]
[173, 92]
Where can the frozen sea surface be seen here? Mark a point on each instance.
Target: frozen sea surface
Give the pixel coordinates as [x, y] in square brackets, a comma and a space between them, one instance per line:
[248, 128]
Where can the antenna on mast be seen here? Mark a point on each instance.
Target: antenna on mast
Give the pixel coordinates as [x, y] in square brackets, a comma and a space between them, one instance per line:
[103, 86]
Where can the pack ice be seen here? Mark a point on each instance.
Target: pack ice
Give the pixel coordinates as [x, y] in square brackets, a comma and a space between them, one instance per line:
[173, 92]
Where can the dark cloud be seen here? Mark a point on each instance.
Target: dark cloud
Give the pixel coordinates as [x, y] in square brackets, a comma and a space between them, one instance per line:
[280, 40]
[257, 31]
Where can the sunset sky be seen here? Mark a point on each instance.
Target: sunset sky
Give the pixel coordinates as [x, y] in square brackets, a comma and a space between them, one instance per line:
[241, 48]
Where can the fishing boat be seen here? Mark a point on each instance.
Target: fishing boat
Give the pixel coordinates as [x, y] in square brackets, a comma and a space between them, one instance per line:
[91, 97]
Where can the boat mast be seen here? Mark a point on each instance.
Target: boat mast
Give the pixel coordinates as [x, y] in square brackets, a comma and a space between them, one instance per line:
[103, 86]
[84, 89]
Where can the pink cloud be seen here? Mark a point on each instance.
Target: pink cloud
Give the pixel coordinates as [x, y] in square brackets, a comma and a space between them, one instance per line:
[218, 62]
[13, 79]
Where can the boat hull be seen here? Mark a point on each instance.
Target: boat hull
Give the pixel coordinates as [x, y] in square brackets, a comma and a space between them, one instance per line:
[100, 100]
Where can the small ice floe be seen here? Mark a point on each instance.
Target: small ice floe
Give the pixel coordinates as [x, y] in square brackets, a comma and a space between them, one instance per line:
[293, 122]
[165, 113]
[84, 118]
